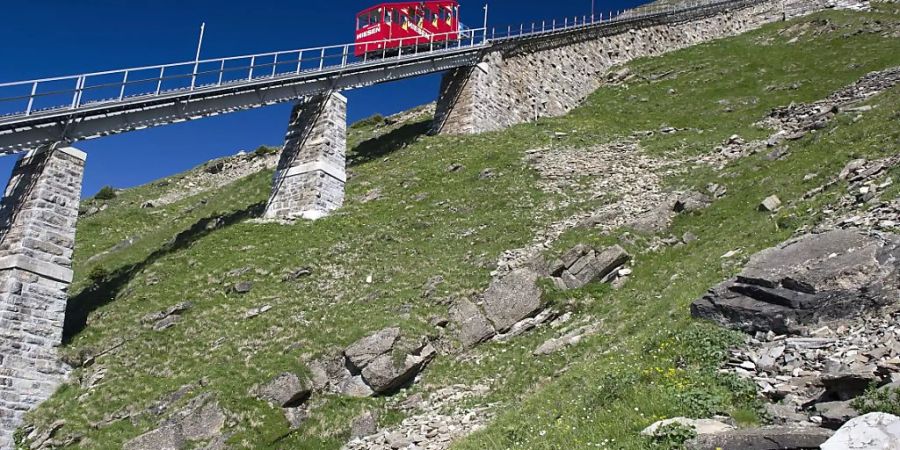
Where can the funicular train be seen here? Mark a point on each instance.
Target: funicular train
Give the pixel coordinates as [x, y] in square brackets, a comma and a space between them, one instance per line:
[387, 29]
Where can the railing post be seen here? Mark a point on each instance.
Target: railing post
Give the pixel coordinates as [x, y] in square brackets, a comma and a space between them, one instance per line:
[344, 56]
[221, 72]
[162, 72]
[274, 65]
[31, 98]
[322, 59]
[252, 63]
[299, 61]
[76, 98]
[124, 82]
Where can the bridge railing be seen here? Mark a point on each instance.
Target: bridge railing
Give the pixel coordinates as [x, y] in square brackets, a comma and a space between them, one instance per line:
[599, 18]
[52, 95]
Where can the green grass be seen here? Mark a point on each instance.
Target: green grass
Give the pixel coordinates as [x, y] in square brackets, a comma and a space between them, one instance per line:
[650, 360]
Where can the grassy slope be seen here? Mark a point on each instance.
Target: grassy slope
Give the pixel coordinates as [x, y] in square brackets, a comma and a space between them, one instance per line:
[651, 360]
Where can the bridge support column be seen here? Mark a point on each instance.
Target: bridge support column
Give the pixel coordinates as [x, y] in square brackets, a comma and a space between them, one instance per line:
[463, 105]
[37, 234]
[309, 180]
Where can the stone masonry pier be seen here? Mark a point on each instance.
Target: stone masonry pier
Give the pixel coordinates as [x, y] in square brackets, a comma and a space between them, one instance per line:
[522, 80]
[37, 235]
[309, 180]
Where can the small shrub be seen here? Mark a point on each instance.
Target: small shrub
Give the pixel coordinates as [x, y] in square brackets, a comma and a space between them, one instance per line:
[97, 275]
[263, 150]
[673, 436]
[373, 120]
[106, 193]
[878, 400]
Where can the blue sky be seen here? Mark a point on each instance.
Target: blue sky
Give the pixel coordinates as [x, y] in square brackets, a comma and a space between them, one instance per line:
[43, 38]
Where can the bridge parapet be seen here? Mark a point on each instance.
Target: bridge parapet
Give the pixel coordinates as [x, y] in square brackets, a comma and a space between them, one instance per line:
[37, 235]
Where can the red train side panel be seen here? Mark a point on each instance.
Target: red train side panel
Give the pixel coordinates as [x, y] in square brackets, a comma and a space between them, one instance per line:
[385, 28]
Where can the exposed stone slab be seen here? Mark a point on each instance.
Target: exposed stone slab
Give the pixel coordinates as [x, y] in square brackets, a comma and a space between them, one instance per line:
[768, 438]
[805, 280]
[310, 177]
[37, 234]
[512, 298]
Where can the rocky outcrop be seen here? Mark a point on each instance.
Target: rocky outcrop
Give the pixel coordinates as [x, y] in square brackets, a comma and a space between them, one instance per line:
[434, 422]
[582, 265]
[803, 281]
[201, 419]
[377, 364]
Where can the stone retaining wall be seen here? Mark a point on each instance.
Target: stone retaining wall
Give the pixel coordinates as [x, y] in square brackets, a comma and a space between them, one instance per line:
[520, 81]
[37, 235]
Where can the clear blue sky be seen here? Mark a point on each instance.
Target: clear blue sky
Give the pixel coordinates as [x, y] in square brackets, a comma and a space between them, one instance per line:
[43, 38]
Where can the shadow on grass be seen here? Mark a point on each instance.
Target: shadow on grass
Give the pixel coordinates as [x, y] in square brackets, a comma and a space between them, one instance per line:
[383, 145]
[107, 285]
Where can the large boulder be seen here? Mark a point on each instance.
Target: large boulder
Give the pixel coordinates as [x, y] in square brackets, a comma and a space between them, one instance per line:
[802, 281]
[472, 326]
[512, 298]
[165, 438]
[365, 350]
[873, 431]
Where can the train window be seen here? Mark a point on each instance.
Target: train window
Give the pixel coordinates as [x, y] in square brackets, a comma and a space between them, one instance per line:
[387, 16]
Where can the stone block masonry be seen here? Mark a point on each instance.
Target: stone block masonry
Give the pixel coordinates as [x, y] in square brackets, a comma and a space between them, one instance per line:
[309, 180]
[37, 236]
[523, 80]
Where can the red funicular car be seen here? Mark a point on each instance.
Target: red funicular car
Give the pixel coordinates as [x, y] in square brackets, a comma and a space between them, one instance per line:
[388, 28]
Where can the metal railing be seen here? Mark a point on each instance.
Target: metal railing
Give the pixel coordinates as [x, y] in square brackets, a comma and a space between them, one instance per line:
[67, 93]
[599, 18]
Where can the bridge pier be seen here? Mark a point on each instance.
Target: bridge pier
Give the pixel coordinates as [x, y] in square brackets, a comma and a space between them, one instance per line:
[310, 177]
[37, 235]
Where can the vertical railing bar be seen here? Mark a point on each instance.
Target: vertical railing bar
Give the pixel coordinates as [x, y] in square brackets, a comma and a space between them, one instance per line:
[162, 71]
[252, 63]
[344, 57]
[274, 65]
[299, 61]
[322, 59]
[124, 82]
[221, 72]
[31, 98]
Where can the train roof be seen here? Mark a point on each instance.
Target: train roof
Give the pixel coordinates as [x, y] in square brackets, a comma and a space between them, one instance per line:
[428, 2]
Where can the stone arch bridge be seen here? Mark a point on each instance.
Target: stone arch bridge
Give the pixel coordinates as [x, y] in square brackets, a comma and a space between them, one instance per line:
[491, 81]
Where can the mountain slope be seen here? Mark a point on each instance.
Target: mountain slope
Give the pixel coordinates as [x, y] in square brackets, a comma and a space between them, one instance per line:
[420, 207]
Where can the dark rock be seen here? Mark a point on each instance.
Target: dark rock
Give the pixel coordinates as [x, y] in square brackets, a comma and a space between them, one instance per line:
[802, 281]
[214, 167]
[768, 438]
[297, 274]
[455, 167]
[472, 326]
[835, 414]
[848, 384]
[363, 425]
[691, 201]
[512, 298]
[286, 390]
[242, 287]
[486, 174]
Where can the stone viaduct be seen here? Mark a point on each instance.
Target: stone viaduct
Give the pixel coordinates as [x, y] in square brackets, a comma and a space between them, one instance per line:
[515, 81]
